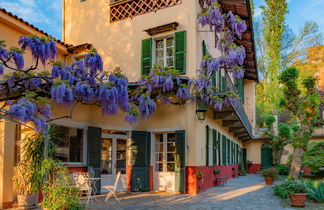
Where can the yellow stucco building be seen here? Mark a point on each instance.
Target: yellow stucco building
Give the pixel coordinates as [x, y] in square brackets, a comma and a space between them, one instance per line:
[166, 151]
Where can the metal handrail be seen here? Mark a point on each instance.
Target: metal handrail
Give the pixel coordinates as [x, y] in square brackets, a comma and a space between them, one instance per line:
[238, 106]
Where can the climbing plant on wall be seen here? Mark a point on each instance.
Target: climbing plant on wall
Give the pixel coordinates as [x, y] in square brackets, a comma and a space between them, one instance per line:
[27, 93]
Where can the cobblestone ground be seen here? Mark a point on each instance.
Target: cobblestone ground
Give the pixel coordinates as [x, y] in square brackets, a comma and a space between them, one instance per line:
[247, 192]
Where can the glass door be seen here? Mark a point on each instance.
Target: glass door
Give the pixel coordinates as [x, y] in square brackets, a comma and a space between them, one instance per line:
[114, 160]
[164, 163]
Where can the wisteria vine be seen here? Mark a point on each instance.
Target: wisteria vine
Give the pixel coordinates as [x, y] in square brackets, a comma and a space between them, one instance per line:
[228, 27]
[27, 94]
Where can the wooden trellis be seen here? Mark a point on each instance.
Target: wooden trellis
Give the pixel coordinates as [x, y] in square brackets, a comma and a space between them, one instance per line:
[131, 8]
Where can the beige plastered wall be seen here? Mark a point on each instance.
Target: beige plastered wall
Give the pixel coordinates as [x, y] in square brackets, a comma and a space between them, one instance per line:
[11, 30]
[253, 150]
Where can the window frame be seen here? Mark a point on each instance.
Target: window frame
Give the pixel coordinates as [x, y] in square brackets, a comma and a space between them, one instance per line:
[164, 153]
[164, 37]
[84, 127]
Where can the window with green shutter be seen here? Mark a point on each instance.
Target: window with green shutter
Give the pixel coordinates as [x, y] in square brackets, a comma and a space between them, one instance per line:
[204, 49]
[240, 88]
[146, 63]
[180, 51]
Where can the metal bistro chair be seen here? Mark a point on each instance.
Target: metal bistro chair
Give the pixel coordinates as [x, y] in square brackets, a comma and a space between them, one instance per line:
[112, 188]
[81, 180]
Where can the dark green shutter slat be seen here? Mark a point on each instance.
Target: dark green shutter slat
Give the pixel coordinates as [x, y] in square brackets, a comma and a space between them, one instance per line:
[180, 139]
[146, 63]
[240, 89]
[214, 147]
[207, 145]
[180, 51]
[140, 160]
[94, 152]
[223, 150]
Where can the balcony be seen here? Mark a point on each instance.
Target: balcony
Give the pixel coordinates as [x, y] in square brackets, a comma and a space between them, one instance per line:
[123, 9]
[234, 117]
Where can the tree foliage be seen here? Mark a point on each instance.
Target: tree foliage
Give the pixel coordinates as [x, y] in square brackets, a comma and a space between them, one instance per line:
[305, 108]
[278, 48]
[314, 156]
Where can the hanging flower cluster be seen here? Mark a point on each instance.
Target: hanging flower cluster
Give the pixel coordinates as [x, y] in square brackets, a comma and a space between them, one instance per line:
[161, 83]
[228, 27]
[42, 48]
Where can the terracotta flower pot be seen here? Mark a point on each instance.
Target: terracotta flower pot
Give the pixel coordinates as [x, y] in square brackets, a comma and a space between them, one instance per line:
[298, 200]
[268, 180]
[29, 201]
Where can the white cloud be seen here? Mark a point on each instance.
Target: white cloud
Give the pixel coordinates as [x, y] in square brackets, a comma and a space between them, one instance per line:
[30, 14]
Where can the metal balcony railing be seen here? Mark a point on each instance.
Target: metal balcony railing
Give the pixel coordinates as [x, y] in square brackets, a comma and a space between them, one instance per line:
[225, 84]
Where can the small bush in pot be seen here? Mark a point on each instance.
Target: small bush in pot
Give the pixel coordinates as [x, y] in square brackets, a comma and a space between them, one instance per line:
[295, 190]
[270, 175]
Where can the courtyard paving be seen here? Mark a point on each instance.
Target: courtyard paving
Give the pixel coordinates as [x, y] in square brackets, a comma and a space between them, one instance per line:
[247, 192]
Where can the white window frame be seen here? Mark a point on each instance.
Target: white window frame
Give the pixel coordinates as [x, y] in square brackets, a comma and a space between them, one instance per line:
[165, 152]
[84, 127]
[164, 37]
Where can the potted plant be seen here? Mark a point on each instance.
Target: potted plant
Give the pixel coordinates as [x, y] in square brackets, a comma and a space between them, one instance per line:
[270, 175]
[298, 193]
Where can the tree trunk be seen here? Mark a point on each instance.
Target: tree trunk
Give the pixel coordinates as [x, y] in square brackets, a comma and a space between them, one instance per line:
[296, 163]
[277, 156]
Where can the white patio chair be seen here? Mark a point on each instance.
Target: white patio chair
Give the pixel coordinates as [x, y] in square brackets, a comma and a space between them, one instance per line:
[81, 180]
[112, 188]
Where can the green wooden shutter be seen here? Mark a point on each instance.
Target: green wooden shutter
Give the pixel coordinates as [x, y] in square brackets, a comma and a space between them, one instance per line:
[146, 63]
[240, 89]
[214, 147]
[94, 152]
[140, 160]
[228, 154]
[224, 150]
[180, 172]
[204, 48]
[180, 51]
[207, 145]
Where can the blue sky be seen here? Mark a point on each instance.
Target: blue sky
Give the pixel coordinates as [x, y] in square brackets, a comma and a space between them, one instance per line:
[44, 14]
[299, 12]
[47, 14]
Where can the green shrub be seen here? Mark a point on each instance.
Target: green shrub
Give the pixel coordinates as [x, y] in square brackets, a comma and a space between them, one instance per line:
[289, 187]
[58, 192]
[313, 157]
[315, 190]
[270, 172]
[283, 169]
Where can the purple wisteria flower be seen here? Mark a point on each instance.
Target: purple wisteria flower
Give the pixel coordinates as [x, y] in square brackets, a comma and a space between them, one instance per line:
[40, 47]
[146, 105]
[230, 100]
[62, 94]
[11, 81]
[131, 118]
[1, 69]
[93, 61]
[18, 60]
[23, 110]
[84, 92]
[238, 74]
[183, 93]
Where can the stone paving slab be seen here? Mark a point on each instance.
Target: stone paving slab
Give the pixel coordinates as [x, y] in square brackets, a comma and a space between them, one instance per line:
[246, 192]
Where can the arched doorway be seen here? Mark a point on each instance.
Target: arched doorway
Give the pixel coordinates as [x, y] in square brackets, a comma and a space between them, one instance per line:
[266, 156]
